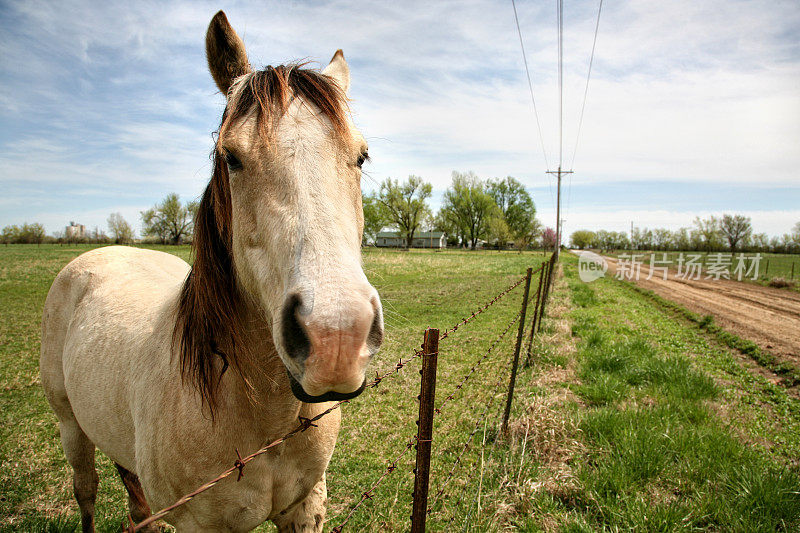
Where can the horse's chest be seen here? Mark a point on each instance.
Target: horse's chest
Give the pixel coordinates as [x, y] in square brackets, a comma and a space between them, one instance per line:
[269, 486]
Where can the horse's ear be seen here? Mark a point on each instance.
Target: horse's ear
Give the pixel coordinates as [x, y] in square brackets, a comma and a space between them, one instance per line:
[339, 71]
[227, 58]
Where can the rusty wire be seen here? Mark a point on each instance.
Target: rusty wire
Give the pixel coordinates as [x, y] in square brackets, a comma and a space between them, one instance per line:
[238, 465]
[465, 447]
[367, 495]
[477, 364]
[306, 423]
[481, 309]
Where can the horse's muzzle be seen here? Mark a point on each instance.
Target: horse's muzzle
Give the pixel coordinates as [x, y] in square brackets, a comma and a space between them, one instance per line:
[331, 396]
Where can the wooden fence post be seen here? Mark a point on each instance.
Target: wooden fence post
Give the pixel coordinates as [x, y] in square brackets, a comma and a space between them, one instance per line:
[535, 315]
[427, 396]
[515, 362]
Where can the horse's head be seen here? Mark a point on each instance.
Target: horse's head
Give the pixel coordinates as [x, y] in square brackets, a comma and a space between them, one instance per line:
[286, 202]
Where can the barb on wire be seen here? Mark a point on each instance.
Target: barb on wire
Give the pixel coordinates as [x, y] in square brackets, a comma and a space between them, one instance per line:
[304, 424]
[367, 494]
[465, 447]
[480, 309]
[478, 363]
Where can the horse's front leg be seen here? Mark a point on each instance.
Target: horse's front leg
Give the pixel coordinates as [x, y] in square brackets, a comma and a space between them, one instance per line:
[307, 515]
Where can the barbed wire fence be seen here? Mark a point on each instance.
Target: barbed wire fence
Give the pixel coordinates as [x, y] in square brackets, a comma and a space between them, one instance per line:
[422, 442]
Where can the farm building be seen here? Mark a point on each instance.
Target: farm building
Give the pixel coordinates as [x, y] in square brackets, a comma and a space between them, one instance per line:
[75, 231]
[422, 239]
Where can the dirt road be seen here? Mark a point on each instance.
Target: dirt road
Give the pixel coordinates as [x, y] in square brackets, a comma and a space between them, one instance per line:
[767, 316]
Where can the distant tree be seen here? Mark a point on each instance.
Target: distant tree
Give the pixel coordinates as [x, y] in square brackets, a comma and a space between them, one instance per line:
[469, 207]
[170, 220]
[760, 242]
[796, 234]
[10, 234]
[707, 233]
[736, 229]
[662, 238]
[549, 239]
[582, 239]
[373, 217]
[404, 204]
[31, 234]
[499, 232]
[99, 236]
[524, 240]
[120, 230]
[514, 202]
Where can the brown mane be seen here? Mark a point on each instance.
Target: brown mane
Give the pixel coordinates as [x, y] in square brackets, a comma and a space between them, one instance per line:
[208, 330]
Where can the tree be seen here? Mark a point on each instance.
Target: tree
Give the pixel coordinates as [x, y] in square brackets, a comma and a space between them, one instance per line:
[549, 238]
[30, 233]
[736, 229]
[467, 205]
[582, 239]
[10, 234]
[403, 204]
[796, 234]
[169, 220]
[373, 218]
[514, 202]
[499, 232]
[120, 230]
[707, 233]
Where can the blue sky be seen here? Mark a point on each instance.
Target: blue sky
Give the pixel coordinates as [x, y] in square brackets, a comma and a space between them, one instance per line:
[693, 107]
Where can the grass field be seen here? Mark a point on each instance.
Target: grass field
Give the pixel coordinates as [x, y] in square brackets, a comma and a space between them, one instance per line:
[628, 419]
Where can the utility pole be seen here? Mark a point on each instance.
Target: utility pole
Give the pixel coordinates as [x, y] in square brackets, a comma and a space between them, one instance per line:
[558, 173]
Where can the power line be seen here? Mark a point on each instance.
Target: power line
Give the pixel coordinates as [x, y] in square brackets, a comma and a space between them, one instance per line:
[560, 22]
[586, 89]
[530, 84]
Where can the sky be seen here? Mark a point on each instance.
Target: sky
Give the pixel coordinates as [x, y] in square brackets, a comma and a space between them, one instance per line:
[693, 107]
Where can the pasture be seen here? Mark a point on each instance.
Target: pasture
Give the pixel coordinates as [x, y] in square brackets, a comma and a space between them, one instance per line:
[628, 418]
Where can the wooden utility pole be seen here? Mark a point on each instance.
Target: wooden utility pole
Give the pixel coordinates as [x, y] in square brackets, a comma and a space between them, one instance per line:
[558, 173]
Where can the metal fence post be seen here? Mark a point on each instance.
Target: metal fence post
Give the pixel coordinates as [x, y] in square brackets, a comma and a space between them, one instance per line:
[427, 395]
[546, 291]
[535, 315]
[515, 362]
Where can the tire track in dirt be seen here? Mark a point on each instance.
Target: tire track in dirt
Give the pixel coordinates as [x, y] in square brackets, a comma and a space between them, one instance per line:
[767, 316]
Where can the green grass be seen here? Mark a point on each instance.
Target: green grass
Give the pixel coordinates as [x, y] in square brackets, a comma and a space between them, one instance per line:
[419, 289]
[648, 424]
[675, 434]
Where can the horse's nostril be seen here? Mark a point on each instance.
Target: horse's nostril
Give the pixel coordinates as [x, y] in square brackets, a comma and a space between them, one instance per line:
[295, 339]
[375, 336]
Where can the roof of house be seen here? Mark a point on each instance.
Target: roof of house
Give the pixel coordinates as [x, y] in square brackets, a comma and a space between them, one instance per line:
[418, 235]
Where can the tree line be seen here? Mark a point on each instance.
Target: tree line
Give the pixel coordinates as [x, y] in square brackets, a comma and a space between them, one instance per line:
[497, 210]
[170, 221]
[733, 233]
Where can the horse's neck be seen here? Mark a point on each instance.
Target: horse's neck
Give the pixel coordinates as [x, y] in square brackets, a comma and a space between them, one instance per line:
[266, 398]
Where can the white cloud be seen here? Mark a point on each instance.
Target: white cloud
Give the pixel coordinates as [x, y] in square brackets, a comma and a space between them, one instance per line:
[115, 98]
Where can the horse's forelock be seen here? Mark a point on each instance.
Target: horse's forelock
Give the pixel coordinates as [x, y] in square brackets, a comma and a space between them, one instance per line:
[272, 90]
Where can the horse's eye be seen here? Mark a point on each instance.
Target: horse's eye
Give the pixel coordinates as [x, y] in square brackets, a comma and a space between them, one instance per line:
[361, 158]
[232, 161]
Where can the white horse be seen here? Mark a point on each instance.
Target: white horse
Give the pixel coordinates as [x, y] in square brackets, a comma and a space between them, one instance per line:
[169, 369]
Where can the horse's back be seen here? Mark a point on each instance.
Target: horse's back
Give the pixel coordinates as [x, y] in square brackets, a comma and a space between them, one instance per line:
[106, 316]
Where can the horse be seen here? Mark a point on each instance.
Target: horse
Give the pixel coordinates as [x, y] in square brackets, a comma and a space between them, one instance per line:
[169, 370]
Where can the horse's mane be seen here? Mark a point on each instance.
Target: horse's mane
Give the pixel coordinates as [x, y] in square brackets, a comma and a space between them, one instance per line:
[209, 334]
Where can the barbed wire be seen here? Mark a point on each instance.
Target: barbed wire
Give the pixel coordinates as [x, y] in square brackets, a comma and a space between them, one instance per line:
[305, 424]
[238, 465]
[367, 495]
[475, 366]
[481, 309]
[465, 447]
